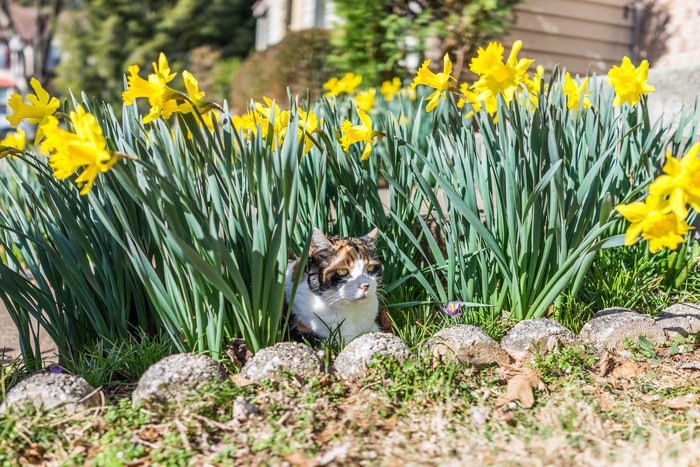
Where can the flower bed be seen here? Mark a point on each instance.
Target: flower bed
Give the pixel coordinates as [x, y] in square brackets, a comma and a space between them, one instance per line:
[186, 216]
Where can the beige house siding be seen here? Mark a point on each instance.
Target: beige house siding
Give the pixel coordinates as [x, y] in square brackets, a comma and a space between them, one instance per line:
[577, 34]
[672, 33]
[580, 35]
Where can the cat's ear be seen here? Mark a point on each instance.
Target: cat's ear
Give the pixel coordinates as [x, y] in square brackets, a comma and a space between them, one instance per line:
[319, 241]
[373, 234]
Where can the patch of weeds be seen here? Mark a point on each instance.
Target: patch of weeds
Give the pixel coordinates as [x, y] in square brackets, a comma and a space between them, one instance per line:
[11, 372]
[682, 345]
[416, 324]
[172, 452]
[215, 401]
[111, 365]
[642, 349]
[572, 362]
[26, 436]
[125, 416]
[118, 453]
[334, 391]
[289, 430]
[328, 349]
[403, 381]
[572, 313]
[226, 455]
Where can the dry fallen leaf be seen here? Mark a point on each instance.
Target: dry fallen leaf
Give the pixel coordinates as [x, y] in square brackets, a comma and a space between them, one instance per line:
[681, 402]
[625, 369]
[240, 380]
[521, 388]
[299, 459]
[616, 366]
[607, 402]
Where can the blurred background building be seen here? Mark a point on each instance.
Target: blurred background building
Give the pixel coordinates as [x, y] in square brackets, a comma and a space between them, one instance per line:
[577, 34]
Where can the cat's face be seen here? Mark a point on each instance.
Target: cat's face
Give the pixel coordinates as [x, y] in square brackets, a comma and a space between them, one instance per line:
[343, 269]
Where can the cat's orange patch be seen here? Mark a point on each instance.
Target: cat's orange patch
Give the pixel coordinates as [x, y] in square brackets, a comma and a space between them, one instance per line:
[346, 255]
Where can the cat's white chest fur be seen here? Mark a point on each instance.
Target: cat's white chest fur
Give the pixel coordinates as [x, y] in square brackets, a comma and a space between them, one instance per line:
[326, 313]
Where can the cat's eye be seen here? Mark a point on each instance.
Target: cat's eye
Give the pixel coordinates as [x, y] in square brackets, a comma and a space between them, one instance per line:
[341, 272]
[371, 268]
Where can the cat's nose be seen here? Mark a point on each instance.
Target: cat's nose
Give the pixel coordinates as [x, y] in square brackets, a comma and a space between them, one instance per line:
[364, 287]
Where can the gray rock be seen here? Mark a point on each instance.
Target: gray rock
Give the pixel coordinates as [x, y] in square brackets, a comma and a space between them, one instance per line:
[352, 361]
[170, 380]
[285, 357]
[53, 391]
[535, 335]
[468, 345]
[680, 320]
[610, 327]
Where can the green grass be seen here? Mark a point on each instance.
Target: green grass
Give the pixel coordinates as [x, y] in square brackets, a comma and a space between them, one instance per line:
[114, 365]
[11, 371]
[631, 277]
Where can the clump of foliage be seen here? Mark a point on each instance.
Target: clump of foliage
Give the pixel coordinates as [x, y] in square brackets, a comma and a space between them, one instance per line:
[301, 64]
[499, 196]
[101, 37]
[375, 38]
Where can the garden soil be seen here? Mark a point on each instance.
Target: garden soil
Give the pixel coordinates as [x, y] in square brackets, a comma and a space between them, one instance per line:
[9, 340]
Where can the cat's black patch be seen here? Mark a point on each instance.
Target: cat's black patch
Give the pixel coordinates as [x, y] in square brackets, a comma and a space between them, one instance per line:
[315, 269]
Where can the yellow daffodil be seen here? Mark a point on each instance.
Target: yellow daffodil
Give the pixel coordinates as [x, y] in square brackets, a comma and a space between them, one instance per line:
[162, 70]
[655, 221]
[496, 77]
[363, 133]
[195, 96]
[576, 93]
[308, 125]
[534, 86]
[345, 85]
[270, 117]
[468, 96]
[243, 124]
[365, 99]
[629, 82]
[161, 98]
[487, 59]
[409, 93]
[390, 89]
[41, 106]
[84, 148]
[441, 82]
[680, 182]
[16, 140]
[247, 124]
[196, 100]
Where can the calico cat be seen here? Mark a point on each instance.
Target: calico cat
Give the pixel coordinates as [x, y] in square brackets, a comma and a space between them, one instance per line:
[337, 292]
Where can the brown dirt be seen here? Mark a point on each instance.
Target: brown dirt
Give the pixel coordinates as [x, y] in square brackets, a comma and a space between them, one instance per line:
[9, 340]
